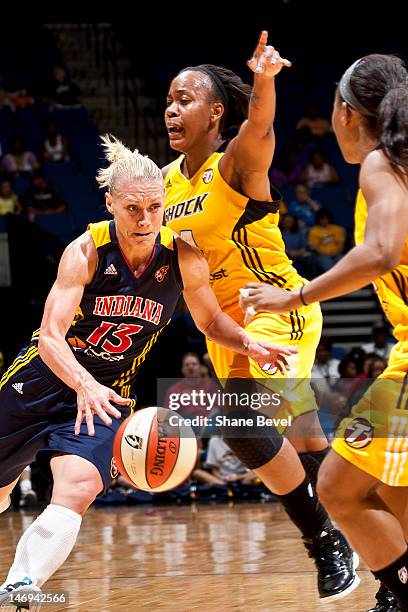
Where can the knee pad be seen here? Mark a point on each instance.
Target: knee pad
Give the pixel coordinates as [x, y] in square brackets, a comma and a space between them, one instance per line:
[251, 441]
[255, 452]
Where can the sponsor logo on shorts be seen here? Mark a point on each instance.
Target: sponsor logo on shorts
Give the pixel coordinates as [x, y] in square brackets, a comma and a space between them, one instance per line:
[18, 387]
[359, 433]
[134, 441]
[160, 274]
[403, 575]
[114, 472]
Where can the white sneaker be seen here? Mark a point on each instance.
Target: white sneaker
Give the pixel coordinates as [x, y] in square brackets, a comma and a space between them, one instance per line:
[23, 595]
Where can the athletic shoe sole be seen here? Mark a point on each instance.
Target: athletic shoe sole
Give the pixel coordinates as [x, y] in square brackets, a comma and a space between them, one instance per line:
[344, 593]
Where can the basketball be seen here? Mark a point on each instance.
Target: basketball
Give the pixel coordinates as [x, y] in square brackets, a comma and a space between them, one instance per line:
[155, 449]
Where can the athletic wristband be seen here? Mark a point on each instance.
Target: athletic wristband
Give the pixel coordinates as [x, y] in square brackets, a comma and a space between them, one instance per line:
[302, 299]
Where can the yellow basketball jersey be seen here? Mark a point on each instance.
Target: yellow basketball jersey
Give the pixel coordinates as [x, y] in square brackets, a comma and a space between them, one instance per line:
[239, 237]
[391, 288]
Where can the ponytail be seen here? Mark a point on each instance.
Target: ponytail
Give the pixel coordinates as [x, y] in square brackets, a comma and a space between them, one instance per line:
[393, 124]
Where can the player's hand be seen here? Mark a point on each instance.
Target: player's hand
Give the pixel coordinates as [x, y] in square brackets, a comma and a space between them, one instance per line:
[266, 354]
[266, 61]
[260, 297]
[95, 399]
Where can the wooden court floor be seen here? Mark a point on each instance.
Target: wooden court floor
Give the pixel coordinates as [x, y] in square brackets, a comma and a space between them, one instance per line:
[241, 557]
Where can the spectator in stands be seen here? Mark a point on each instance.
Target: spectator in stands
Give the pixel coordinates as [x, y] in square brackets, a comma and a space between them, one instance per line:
[377, 366]
[208, 363]
[42, 199]
[296, 246]
[327, 240]
[9, 203]
[226, 466]
[63, 91]
[20, 161]
[348, 382]
[318, 172]
[325, 371]
[303, 207]
[191, 381]
[55, 146]
[4, 97]
[21, 99]
[380, 344]
[286, 172]
[318, 126]
[2, 368]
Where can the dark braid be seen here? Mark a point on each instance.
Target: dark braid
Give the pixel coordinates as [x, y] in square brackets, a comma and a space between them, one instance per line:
[237, 91]
[380, 84]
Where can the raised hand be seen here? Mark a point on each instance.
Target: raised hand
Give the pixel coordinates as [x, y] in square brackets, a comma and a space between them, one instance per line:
[266, 61]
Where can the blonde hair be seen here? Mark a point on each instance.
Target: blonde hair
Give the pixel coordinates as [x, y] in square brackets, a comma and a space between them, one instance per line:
[125, 164]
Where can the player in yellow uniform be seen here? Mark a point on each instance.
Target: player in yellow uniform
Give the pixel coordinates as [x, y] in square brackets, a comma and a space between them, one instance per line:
[218, 197]
[361, 480]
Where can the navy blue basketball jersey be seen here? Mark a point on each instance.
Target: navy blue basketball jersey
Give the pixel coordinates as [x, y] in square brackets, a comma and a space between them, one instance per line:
[121, 315]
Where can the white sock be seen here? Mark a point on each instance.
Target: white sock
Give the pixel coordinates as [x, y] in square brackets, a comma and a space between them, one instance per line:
[45, 545]
[5, 504]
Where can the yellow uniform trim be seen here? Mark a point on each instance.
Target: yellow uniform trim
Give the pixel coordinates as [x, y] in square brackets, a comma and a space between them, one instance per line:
[100, 233]
[166, 237]
[18, 363]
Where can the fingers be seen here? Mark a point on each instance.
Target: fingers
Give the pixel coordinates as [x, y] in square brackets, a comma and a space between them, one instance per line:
[122, 401]
[78, 422]
[89, 421]
[260, 47]
[102, 411]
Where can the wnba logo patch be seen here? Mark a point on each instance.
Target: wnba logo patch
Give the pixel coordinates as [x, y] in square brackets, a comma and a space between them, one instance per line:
[134, 441]
[114, 468]
[208, 176]
[268, 369]
[160, 274]
[359, 433]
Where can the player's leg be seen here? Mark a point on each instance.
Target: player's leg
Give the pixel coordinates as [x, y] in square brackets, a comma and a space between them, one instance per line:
[48, 541]
[278, 465]
[349, 494]
[81, 468]
[396, 499]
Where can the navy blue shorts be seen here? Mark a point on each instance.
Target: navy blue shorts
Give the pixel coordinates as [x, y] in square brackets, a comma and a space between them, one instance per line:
[37, 417]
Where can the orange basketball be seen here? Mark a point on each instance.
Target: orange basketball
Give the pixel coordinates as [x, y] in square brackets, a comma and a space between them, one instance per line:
[155, 449]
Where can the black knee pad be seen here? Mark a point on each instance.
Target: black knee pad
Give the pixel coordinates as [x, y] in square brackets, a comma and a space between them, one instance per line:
[252, 442]
[255, 452]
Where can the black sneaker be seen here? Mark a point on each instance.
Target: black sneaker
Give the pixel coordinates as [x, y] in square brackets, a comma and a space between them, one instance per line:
[386, 602]
[335, 562]
[21, 595]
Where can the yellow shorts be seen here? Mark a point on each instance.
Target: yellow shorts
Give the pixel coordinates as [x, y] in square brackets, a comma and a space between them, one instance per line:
[374, 437]
[301, 329]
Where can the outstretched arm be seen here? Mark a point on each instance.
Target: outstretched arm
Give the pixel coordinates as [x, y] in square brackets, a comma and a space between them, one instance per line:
[385, 234]
[76, 269]
[210, 319]
[248, 157]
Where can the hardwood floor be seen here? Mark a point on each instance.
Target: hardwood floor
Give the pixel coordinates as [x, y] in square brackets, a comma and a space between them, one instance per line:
[242, 557]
